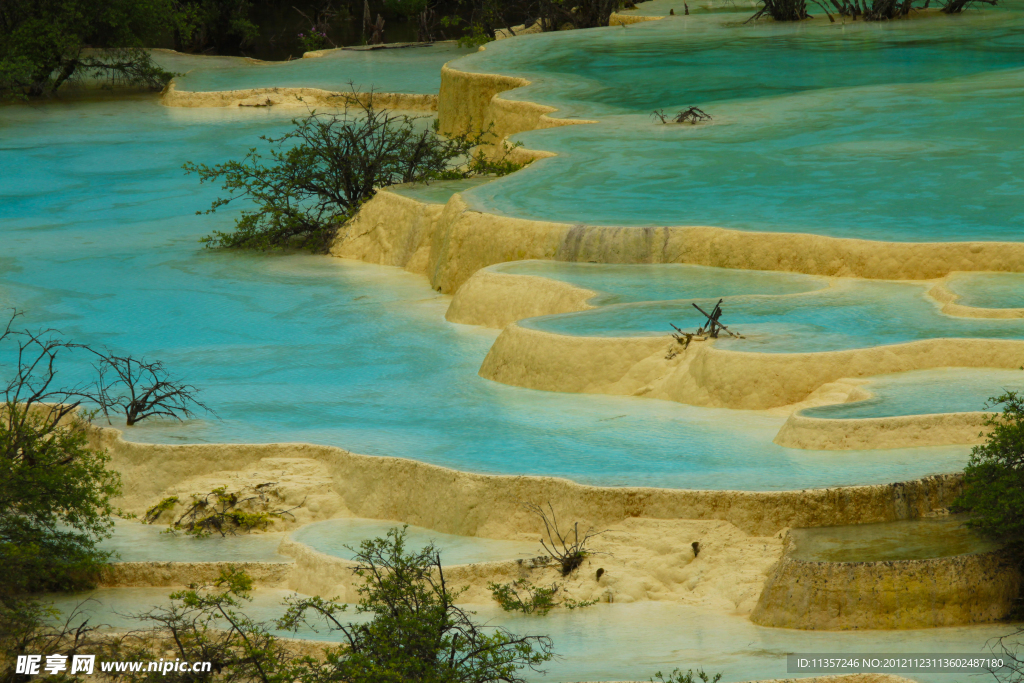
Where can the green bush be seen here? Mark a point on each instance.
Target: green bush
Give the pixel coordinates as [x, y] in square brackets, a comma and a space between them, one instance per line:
[43, 43]
[319, 174]
[523, 596]
[994, 477]
[690, 676]
[416, 632]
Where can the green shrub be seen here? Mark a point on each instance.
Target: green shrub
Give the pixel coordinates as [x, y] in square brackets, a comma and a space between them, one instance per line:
[690, 676]
[523, 596]
[994, 477]
[416, 633]
[43, 43]
[319, 174]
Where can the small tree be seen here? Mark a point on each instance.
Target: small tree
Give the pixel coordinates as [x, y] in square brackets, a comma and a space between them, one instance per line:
[319, 174]
[994, 477]
[30, 628]
[205, 624]
[55, 491]
[416, 633]
[140, 389]
[43, 43]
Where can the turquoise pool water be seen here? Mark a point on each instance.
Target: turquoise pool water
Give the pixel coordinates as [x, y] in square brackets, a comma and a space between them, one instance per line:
[633, 283]
[989, 290]
[401, 70]
[850, 314]
[850, 130]
[616, 642]
[942, 390]
[920, 539]
[339, 537]
[136, 542]
[100, 235]
[438, 191]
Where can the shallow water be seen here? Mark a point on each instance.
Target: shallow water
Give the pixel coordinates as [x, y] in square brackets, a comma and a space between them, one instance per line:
[414, 70]
[942, 390]
[437, 191]
[989, 290]
[919, 539]
[100, 236]
[809, 121]
[135, 542]
[851, 314]
[615, 642]
[341, 538]
[633, 283]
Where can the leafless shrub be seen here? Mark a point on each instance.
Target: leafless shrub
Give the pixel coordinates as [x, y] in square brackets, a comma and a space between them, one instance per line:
[141, 389]
[567, 549]
[689, 115]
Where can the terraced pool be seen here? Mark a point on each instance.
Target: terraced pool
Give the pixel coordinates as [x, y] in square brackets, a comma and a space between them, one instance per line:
[846, 129]
[399, 70]
[101, 242]
[919, 539]
[988, 290]
[942, 390]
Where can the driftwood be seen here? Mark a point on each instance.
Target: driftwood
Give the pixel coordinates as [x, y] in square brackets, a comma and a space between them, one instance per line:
[711, 331]
[690, 115]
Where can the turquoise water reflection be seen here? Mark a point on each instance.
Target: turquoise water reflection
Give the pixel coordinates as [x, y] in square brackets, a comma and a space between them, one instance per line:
[100, 241]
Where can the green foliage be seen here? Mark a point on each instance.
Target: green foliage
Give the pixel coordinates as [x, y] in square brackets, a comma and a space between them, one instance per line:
[994, 477]
[55, 502]
[314, 39]
[43, 43]
[678, 676]
[206, 624]
[416, 632]
[55, 491]
[476, 36]
[222, 512]
[27, 627]
[223, 26]
[523, 596]
[165, 505]
[406, 8]
[319, 174]
[570, 603]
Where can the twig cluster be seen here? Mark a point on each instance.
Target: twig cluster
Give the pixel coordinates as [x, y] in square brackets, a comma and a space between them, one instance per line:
[567, 549]
[689, 115]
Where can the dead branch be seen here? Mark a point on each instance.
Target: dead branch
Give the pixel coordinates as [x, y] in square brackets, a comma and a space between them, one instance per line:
[568, 549]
